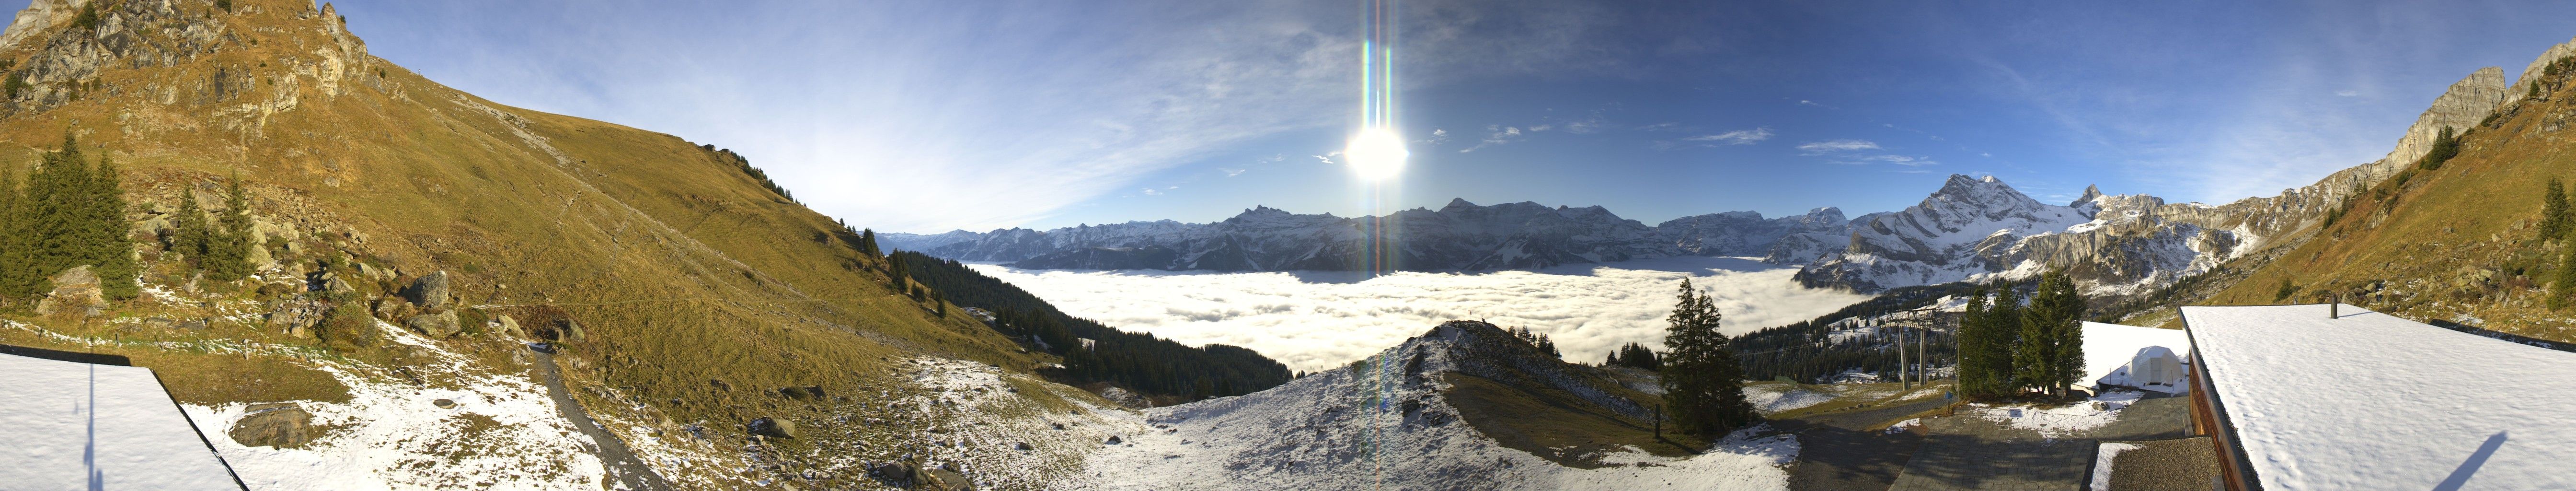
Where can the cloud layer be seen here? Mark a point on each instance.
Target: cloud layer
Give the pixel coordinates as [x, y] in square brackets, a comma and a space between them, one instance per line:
[1313, 321]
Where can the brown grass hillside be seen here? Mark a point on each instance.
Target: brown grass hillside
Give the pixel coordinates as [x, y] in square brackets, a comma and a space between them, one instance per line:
[2457, 244]
[699, 290]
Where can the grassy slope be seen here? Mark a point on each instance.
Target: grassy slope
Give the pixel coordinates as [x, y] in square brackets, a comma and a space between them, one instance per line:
[2455, 242]
[681, 269]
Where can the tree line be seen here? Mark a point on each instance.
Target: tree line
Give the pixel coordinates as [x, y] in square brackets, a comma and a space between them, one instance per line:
[68, 212]
[2008, 349]
[1137, 361]
[1799, 351]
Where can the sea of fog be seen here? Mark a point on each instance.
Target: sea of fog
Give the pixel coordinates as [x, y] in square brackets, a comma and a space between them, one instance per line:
[1313, 321]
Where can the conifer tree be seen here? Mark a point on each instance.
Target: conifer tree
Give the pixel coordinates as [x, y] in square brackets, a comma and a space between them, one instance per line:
[58, 195]
[1703, 382]
[2445, 146]
[2565, 276]
[2067, 305]
[113, 249]
[2003, 342]
[868, 242]
[17, 275]
[191, 235]
[2553, 212]
[228, 250]
[1975, 380]
[2052, 322]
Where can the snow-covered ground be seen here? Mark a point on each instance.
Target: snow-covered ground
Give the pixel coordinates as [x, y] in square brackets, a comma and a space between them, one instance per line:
[1783, 398]
[1378, 426]
[83, 426]
[2061, 421]
[503, 433]
[2372, 401]
[1317, 320]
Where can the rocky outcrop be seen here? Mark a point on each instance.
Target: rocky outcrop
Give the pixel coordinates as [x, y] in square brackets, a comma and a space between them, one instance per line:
[296, 317]
[274, 424]
[771, 427]
[76, 291]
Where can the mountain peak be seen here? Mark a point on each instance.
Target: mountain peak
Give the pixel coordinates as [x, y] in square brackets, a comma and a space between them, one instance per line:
[1457, 203]
[2091, 192]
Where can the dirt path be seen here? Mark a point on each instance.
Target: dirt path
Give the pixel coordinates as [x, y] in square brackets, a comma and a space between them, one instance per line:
[626, 471]
[1850, 451]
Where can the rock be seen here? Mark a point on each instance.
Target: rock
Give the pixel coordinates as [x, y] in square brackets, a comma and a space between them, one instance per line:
[392, 308]
[75, 291]
[157, 226]
[944, 479]
[372, 273]
[1022, 446]
[444, 403]
[509, 327]
[773, 428]
[893, 471]
[336, 286]
[276, 424]
[259, 258]
[571, 330]
[1113, 440]
[809, 392]
[158, 323]
[298, 316]
[438, 325]
[193, 324]
[431, 291]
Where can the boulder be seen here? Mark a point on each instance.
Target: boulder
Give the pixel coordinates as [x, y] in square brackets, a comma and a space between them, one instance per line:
[509, 327]
[393, 308]
[276, 424]
[444, 403]
[75, 291]
[336, 286]
[571, 330]
[259, 258]
[946, 480]
[771, 427]
[431, 291]
[893, 471]
[438, 325]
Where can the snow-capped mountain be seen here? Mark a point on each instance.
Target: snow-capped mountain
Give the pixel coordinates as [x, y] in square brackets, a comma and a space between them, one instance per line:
[1785, 240]
[1459, 236]
[1976, 229]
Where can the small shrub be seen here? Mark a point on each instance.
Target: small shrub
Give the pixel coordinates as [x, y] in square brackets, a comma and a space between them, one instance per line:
[2285, 291]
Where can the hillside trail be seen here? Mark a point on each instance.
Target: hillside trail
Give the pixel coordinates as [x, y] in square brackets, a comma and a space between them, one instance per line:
[623, 468]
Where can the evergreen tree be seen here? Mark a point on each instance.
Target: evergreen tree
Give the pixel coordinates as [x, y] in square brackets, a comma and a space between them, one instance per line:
[228, 250]
[1703, 382]
[2553, 212]
[2003, 342]
[2566, 278]
[1975, 380]
[2045, 359]
[58, 195]
[2445, 146]
[868, 243]
[113, 251]
[2067, 317]
[191, 235]
[17, 275]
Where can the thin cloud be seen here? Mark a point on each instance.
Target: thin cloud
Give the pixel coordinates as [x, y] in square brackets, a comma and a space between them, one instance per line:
[1835, 146]
[2348, 93]
[1737, 137]
[1497, 135]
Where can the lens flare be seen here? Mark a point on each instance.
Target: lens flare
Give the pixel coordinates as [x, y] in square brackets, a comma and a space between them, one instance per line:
[1376, 154]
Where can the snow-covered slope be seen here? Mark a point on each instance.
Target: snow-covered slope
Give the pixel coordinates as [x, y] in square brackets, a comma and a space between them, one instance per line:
[1785, 240]
[1389, 422]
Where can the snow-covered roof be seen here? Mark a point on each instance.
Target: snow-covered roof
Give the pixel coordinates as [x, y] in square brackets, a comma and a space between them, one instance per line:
[83, 426]
[2371, 401]
[2107, 347]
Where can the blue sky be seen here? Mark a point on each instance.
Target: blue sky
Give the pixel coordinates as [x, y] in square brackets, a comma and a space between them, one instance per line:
[930, 116]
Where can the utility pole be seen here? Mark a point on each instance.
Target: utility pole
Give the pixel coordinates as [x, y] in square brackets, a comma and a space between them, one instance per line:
[1901, 366]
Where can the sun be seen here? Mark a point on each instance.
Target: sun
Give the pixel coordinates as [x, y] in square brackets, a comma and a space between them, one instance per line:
[1376, 154]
